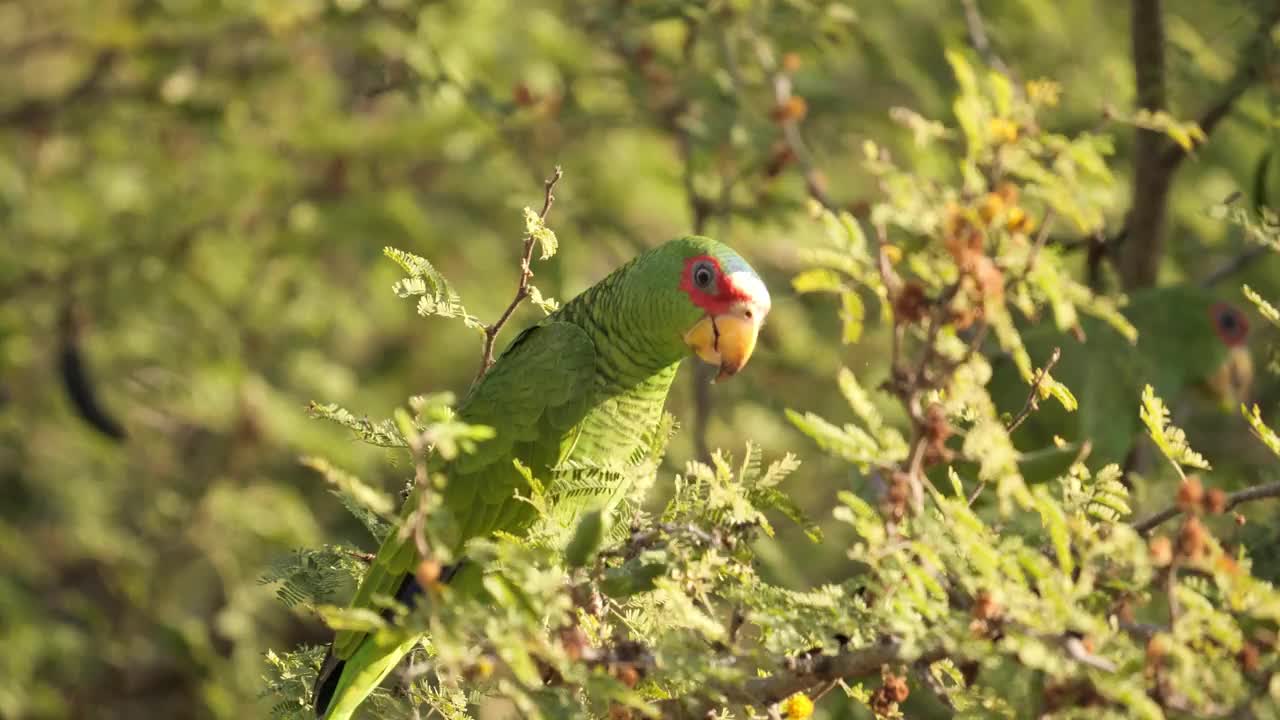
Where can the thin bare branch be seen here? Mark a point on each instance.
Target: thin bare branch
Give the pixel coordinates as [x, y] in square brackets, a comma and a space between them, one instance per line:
[814, 181]
[1033, 398]
[526, 274]
[978, 37]
[1234, 265]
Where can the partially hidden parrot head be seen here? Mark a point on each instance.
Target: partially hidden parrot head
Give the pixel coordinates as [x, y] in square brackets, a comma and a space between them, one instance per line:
[719, 303]
[1231, 381]
[1187, 330]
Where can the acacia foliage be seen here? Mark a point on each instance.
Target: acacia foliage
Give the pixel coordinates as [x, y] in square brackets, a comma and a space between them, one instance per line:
[968, 591]
[195, 196]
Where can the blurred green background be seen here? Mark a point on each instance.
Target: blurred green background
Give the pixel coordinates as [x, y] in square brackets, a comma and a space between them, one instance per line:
[194, 198]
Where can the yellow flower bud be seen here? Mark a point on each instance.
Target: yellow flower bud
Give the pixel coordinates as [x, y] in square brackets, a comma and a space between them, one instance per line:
[797, 707]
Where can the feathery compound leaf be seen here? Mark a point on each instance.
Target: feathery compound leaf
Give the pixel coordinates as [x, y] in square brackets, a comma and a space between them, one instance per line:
[309, 577]
[548, 305]
[373, 508]
[1260, 429]
[1171, 440]
[348, 484]
[1101, 497]
[876, 443]
[536, 228]
[850, 442]
[435, 295]
[1265, 309]
[382, 434]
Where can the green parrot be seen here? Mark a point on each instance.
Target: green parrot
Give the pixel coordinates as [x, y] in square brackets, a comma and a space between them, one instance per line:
[585, 386]
[1187, 340]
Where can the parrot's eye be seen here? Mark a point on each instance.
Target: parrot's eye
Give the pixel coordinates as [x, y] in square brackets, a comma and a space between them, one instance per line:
[1230, 324]
[703, 275]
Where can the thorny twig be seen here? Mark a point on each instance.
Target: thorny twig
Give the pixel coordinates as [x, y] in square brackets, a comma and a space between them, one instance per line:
[526, 274]
[364, 557]
[1033, 398]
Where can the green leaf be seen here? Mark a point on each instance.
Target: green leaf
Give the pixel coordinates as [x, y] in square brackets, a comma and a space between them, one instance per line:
[349, 484]
[1265, 309]
[1171, 440]
[354, 619]
[435, 295]
[817, 280]
[536, 228]
[548, 305]
[852, 312]
[1260, 429]
[1055, 523]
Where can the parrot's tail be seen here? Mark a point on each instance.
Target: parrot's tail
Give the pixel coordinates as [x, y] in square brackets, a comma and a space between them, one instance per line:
[329, 678]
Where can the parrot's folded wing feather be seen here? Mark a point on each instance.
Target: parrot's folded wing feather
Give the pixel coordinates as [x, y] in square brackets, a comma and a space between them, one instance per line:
[533, 398]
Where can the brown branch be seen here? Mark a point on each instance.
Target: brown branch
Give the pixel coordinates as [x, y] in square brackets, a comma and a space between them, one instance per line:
[1140, 240]
[1234, 265]
[526, 274]
[1259, 492]
[1245, 76]
[813, 179]
[803, 673]
[1033, 398]
[364, 557]
[979, 39]
[1140, 254]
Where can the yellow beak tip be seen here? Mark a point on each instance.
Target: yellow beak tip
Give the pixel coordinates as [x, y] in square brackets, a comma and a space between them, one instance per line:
[726, 341]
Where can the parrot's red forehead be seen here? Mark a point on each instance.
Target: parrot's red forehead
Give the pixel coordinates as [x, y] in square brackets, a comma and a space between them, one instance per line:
[717, 296]
[1229, 323]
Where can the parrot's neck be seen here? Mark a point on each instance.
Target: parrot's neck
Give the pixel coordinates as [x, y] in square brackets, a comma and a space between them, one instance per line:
[636, 359]
[636, 336]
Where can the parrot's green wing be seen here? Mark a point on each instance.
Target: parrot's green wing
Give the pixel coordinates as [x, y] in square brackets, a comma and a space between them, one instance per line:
[534, 397]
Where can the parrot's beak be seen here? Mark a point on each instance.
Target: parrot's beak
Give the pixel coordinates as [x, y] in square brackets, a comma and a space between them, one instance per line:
[1231, 383]
[726, 340]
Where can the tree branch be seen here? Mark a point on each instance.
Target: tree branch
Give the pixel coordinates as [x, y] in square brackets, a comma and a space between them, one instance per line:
[1140, 240]
[803, 673]
[1245, 76]
[1140, 254]
[526, 274]
[979, 39]
[1234, 265]
[1033, 398]
[1259, 492]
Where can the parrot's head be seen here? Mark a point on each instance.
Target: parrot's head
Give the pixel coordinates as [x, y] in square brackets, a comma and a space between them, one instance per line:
[1231, 381]
[1198, 339]
[711, 300]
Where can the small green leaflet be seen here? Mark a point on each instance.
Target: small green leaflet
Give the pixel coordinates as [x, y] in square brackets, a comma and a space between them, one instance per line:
[1171, 440]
